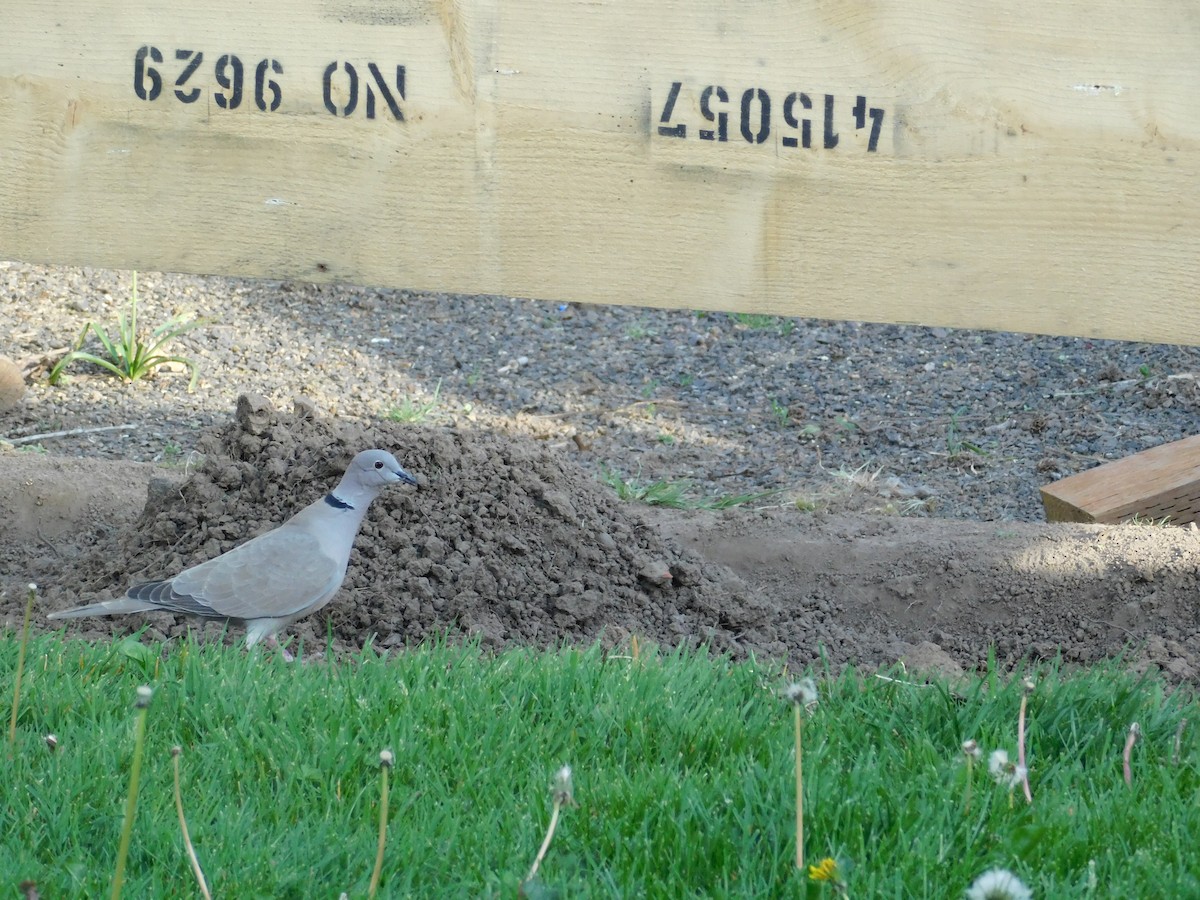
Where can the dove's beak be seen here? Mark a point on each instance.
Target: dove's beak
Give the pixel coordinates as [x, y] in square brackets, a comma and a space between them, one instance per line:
[405, 477]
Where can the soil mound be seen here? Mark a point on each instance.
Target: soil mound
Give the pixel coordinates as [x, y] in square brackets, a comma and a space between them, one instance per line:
[503, 539]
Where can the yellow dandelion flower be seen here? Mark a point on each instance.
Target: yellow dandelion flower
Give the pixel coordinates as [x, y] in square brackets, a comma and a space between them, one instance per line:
[825, 870]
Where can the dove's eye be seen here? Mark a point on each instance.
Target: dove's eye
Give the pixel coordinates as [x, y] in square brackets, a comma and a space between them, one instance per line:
[378, 464]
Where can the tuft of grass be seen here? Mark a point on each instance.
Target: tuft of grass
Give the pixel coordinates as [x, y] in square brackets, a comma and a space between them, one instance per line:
[691, 776]
[672, 494]
[16, 704]
[1139, 519]
[956, 445]
[412, 411]
[170, 455]
[763, 322]
[780, 412]
[129, 355]
[639, 330]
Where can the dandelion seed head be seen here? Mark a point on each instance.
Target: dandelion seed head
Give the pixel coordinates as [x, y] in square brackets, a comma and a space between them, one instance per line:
[1004, 771]
[971, 748]
[51, 741]
[802, 692]
[1028, 685]
[32, 587]
[562, 788]
[998, 765]
[386, 758]
[144, 693]
[998, 884]
[176, 750]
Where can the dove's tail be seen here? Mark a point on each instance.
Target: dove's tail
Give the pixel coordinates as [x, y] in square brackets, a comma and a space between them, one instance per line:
[106, 608]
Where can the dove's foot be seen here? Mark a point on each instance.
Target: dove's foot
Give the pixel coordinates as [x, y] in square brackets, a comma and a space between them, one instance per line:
[273, 643]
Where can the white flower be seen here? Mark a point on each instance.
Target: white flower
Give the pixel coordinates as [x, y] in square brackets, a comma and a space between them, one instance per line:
[998, 884]
[971, 749]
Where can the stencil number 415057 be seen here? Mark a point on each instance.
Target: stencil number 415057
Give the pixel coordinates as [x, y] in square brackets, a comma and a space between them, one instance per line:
[755, 117]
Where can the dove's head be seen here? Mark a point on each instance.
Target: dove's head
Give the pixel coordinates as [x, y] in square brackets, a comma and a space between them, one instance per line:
[374, 469]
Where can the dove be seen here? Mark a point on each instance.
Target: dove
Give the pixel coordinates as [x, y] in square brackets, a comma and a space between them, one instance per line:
[278, 577]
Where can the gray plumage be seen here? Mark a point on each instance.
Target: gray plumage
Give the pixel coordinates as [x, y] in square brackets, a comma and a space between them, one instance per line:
[278, 577]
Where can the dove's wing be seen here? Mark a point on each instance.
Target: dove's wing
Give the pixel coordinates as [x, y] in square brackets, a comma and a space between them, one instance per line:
[280, 574]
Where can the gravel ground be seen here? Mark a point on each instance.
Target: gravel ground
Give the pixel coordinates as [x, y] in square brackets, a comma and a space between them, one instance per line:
[923, 421]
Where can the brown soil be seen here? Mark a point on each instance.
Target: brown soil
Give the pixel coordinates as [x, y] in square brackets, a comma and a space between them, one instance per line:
[513, 542]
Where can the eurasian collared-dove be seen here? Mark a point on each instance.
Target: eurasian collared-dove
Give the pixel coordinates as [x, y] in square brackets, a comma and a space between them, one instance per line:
[278, 577]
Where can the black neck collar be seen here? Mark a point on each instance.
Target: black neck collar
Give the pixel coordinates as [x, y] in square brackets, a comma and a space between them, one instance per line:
[337, 502]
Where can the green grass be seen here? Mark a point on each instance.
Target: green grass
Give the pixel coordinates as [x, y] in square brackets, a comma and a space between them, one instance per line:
[412, 411]
[672, 494]
[956, 445]
[682, 769]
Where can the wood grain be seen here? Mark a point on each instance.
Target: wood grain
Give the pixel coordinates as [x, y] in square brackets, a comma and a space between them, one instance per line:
[1035, 168]
[1162, 482]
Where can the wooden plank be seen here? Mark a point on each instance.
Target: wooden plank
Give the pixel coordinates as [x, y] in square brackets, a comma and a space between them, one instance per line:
[1030, 167]
[1162, 482]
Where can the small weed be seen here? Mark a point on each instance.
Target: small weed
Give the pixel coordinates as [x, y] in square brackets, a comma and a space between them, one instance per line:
[755, 321]
[759, 322]
[412, 411]
[780, 412]
[170, 453]
[685, 379]
[729, 501]
[1139, 519]
[130, 356]
[474, 377]
[956, 444]
[667, 440]
[672, 494]
[862, 477]
[654, 493]
[650, 387]
[1144, 370]
[639, 330]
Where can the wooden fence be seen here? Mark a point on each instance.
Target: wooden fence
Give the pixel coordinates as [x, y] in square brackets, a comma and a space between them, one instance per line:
[1024, 166]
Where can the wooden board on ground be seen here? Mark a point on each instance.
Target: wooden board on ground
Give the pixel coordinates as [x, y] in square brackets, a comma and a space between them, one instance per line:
[1030, 167]
[1156, 484]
